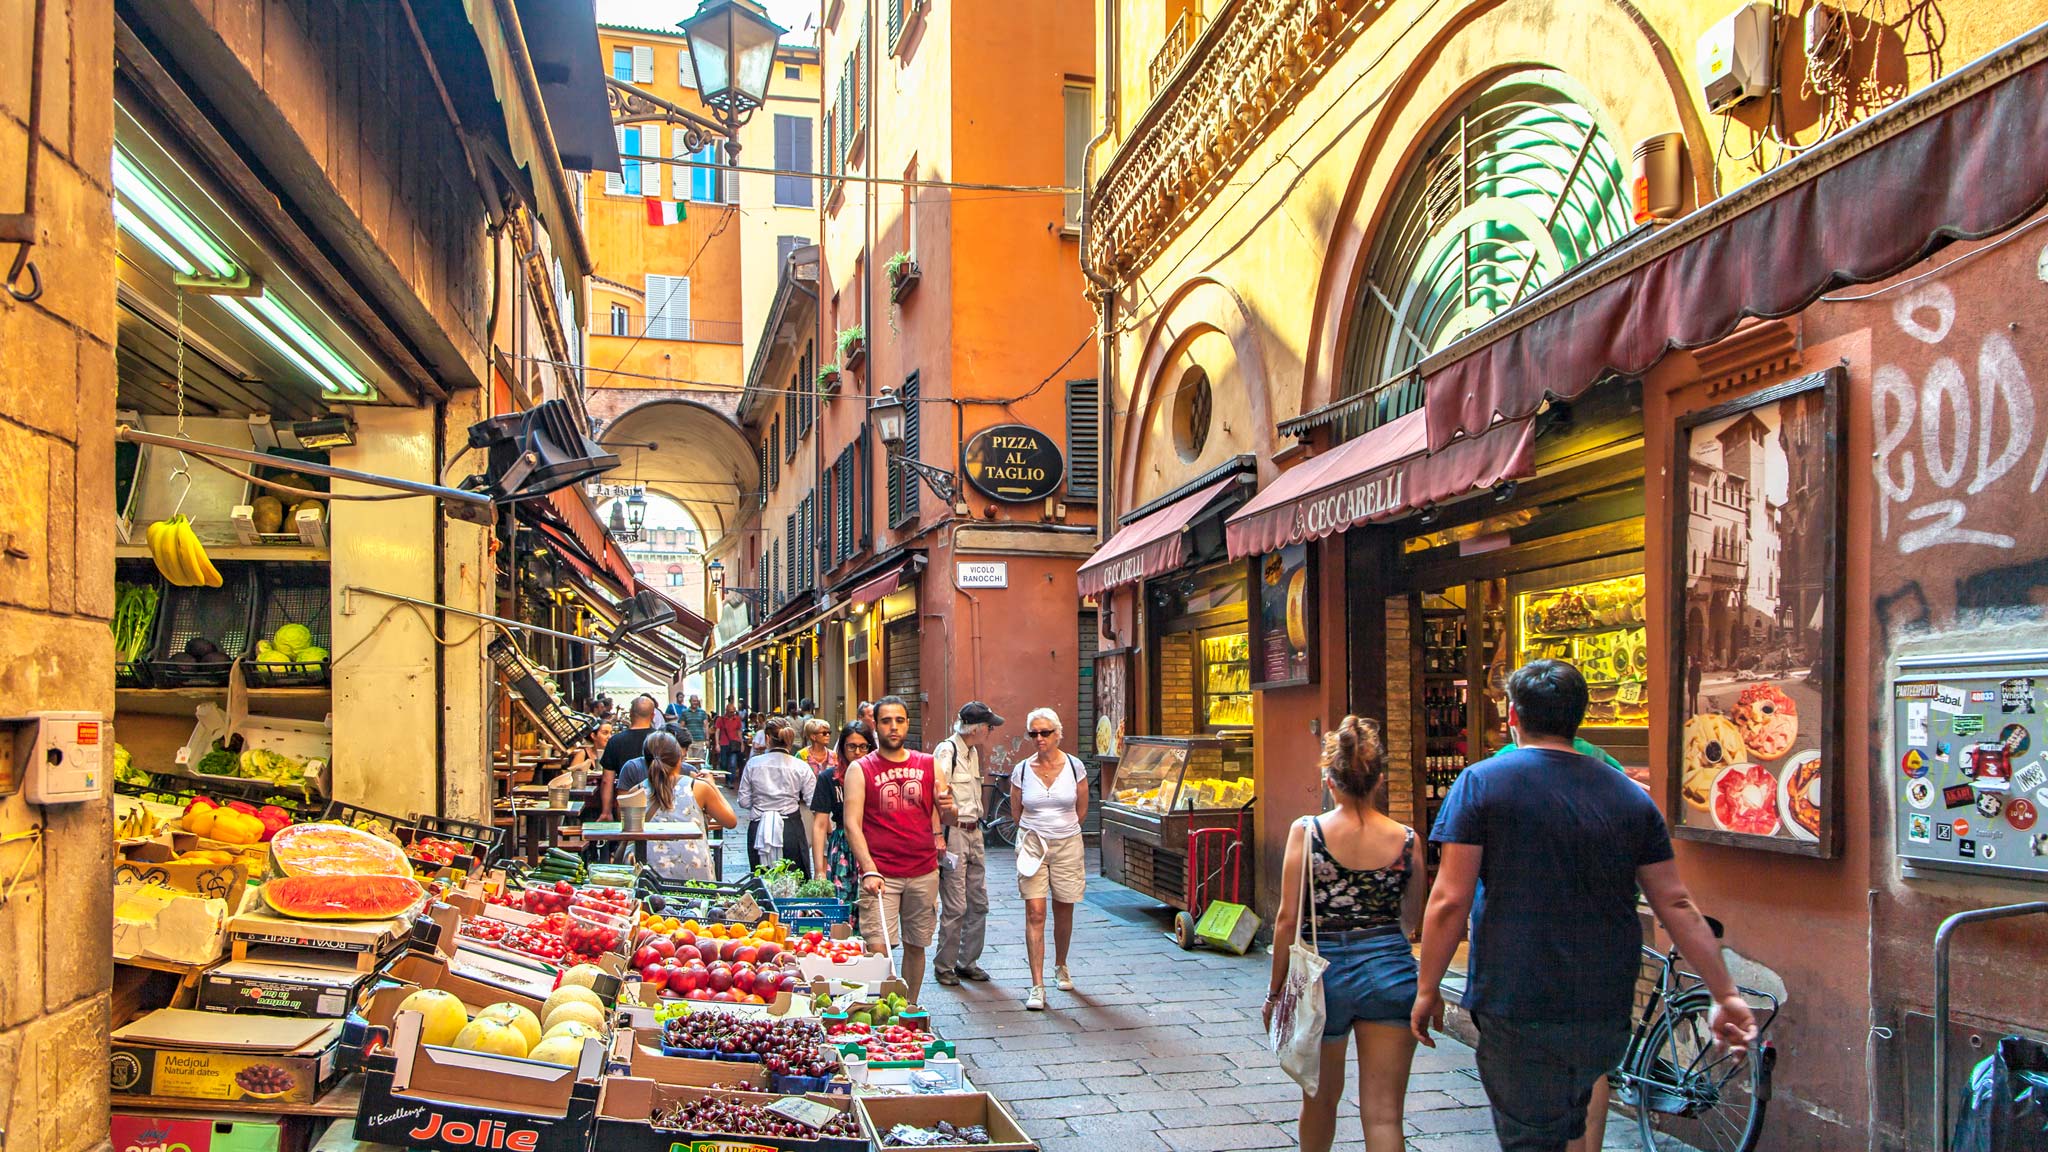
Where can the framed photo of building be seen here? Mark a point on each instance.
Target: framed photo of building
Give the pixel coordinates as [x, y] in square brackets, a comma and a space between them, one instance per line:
[1283, 618]
[1756, 558]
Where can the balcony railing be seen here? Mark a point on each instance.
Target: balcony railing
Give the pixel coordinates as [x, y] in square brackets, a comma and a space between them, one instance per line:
[1179, 38]
[695, 331]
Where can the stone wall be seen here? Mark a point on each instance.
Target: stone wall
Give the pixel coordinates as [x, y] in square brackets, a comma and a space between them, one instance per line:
[56, 573]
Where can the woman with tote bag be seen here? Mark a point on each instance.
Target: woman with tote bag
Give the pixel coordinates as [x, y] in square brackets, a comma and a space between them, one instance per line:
[1360, 875]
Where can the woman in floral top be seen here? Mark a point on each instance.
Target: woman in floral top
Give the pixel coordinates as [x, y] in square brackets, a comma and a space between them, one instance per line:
[1365, 876]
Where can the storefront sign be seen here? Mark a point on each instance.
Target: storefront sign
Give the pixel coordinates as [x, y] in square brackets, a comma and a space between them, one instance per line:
[1283, 619]
[1753, 675]
[982, 574]
[1013, 462]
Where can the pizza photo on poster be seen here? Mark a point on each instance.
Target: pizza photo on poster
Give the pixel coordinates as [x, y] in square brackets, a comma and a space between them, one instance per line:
[1759, 503]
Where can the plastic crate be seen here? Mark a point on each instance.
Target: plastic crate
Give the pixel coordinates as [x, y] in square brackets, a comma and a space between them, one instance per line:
[488, 839]
[355, 816]
[224, 615]
[565, 726]
[135, 673]
[291, 593]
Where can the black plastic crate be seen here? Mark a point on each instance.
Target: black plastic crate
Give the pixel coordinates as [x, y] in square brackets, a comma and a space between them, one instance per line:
[292, 592]
[488, 838]
[141, 574]
[356, 817]
[565, 726]
[224, 615]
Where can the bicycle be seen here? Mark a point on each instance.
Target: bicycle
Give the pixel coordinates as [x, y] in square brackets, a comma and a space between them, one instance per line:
[998, 826]
[1710, 1098]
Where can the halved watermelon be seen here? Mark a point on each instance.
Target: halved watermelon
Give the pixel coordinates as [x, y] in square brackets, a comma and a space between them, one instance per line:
[335, 850]
[341, 897]
[1745, 799]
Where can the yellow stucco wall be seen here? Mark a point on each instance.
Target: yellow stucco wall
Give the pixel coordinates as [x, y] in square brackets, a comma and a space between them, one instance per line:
[727, 248]
[1270, 262]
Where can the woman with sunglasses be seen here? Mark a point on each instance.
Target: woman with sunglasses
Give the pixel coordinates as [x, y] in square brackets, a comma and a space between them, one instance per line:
[831, 855]
[1049, 793]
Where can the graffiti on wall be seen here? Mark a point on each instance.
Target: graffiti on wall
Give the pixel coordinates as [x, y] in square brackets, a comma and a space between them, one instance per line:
[1961, 425]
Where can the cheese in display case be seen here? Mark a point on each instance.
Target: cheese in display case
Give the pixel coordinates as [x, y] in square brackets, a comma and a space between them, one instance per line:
[1600, 626]
[1161, 775]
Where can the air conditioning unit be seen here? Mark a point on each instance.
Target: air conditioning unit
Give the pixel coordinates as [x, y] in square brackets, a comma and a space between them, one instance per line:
[1734, 58]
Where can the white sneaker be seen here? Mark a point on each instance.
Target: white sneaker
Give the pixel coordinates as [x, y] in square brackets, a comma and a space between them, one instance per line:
[1061, 980]
[1036, 1001]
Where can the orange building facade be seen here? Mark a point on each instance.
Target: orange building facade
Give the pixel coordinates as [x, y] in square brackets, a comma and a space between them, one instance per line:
[967, 307]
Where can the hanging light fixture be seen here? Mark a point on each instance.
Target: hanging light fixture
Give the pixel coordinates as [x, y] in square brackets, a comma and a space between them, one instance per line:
[636, 511]
[732, 46]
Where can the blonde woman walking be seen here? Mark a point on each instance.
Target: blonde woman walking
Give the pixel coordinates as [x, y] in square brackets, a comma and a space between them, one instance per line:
[1049, 792]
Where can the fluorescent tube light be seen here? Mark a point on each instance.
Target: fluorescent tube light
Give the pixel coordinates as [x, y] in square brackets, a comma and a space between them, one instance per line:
[240, 311]
[289, 323]
[126, 219]
[130, 181]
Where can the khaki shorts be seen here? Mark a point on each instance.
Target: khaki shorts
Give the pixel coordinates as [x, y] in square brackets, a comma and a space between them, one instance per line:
[1064, 870]
[910, 906]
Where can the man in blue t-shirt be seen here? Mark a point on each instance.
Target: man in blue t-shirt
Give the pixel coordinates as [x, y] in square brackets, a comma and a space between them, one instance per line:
[1544, 849]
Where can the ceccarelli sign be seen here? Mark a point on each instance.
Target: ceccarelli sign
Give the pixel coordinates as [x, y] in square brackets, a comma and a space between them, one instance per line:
[1013, 462]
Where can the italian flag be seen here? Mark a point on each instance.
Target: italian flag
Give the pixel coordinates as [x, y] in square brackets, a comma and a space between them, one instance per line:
[667, 211]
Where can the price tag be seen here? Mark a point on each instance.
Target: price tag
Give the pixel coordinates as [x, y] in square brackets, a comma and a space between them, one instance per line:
[183, 757]
[810, 1113]
[1630, 692]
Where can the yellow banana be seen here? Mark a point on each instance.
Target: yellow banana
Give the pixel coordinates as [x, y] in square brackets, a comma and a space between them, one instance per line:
[194, 555]
[163, 548]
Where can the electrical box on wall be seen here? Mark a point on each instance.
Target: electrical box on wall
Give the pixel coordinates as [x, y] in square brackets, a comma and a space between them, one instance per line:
[58, 757]
[1734, 58]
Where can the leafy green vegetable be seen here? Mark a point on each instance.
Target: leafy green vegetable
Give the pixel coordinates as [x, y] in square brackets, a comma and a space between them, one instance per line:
[219, 762]
[816, 890]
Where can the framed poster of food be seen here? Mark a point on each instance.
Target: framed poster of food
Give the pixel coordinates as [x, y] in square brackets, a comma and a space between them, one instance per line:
[1283, 619]
[1755, 559]
[1112, 701]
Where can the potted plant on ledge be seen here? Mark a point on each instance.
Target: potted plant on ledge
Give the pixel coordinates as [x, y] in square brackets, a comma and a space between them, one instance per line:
[853, 347]
[903, 276]
[828, 380]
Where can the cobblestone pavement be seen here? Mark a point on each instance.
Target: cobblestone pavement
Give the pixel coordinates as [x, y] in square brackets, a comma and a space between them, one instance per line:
[1161, 1049]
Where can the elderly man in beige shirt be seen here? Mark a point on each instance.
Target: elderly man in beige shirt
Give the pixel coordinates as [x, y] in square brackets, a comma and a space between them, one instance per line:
[963, 888]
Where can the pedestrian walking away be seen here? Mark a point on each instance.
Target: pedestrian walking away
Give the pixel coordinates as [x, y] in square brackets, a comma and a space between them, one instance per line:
[1049, 793]
[776, 786]
[892, 820]
[831, 852]
[1544, 850]
[963, 874]
[675, 795]
[1365, 883]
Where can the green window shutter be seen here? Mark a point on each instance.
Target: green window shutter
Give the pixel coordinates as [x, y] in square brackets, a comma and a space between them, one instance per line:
[1084, 439]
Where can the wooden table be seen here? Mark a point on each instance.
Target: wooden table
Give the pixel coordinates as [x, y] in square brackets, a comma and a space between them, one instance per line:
[536, 829]
[577, 794]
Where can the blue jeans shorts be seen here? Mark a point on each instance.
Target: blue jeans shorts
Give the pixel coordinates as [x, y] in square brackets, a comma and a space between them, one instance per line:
[1370, 980]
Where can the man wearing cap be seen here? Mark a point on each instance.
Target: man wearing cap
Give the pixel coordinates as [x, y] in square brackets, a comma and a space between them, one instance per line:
[963, 888]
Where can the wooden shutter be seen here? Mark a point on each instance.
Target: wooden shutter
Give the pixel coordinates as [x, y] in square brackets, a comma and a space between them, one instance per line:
[686, 69]
[763, 493]
[1084, 439]
[774, 457]
[843, 515]
[643, 65]
[615, 182]
[913, 444]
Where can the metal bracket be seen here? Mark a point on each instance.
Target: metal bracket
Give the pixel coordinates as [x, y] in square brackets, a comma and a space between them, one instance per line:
[631, 104]
[941, 481]
[243, 283]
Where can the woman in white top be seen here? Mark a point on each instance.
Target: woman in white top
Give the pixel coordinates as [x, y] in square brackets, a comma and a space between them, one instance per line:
[775, 787]
[1050, 793]
[676, 796]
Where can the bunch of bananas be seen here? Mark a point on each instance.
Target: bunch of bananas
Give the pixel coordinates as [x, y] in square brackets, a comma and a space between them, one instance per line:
[180, 556]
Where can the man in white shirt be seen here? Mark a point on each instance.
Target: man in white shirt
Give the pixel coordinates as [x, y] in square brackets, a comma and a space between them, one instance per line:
[963, 888]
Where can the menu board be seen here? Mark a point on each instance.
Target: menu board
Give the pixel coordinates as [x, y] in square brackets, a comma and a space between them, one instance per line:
[1969, 763]
[1283, 619]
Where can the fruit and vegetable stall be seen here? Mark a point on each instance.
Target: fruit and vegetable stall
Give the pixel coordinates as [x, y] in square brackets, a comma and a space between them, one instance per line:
[307, 974]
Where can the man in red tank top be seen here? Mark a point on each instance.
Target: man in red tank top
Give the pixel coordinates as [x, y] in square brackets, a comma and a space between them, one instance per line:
[892, 824]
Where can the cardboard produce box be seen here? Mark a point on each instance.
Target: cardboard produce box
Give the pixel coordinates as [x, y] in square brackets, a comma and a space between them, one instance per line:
[420, 1096]
[625, 1120]
[881, 1113]
[156, 862]
[631, 1055]
[203, 1132]
[281, 989]
[207, 1056]
[152, 922]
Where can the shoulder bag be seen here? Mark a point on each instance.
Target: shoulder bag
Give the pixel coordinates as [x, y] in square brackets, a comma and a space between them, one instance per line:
[1296, 1032]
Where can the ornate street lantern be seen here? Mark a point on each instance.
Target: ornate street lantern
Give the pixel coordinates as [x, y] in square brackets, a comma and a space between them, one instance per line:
[732, 47]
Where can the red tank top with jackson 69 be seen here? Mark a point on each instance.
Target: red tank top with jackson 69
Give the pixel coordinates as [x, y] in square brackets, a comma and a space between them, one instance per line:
[896, 816]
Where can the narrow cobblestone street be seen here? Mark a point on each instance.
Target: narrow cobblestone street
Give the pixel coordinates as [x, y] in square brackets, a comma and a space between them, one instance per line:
[1159, 1048]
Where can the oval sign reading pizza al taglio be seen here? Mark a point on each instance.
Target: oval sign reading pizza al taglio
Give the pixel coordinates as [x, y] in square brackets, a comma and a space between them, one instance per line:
[1013, 462]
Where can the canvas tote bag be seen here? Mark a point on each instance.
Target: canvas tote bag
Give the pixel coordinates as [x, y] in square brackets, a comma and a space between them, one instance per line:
[1296, 1034]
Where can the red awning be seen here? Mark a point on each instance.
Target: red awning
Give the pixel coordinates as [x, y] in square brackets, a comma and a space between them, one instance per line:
[1963, 159]
[688, 624]
[574, 508]
[1378, 476]
[1149, 545]
[878, 587]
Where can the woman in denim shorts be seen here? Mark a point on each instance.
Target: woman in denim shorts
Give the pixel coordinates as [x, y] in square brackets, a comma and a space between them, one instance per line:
[1366, 875]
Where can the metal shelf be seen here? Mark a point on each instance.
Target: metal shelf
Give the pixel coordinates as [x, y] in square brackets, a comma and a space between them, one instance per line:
[219, 552]
[301, 703]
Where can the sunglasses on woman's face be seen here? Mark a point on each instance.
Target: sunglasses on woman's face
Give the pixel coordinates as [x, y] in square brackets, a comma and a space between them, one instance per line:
[1043, 733]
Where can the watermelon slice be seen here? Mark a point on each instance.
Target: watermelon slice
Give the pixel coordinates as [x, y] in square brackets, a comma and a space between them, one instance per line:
[1745, 799]
[341, 897]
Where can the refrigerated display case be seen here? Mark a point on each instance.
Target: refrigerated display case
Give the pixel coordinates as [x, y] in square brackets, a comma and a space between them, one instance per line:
[1594, 615]
[1225, 699]
[1163, 789]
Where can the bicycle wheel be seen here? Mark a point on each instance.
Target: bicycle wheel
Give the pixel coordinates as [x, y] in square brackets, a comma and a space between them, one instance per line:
[997, 825]
[1706, 1098]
